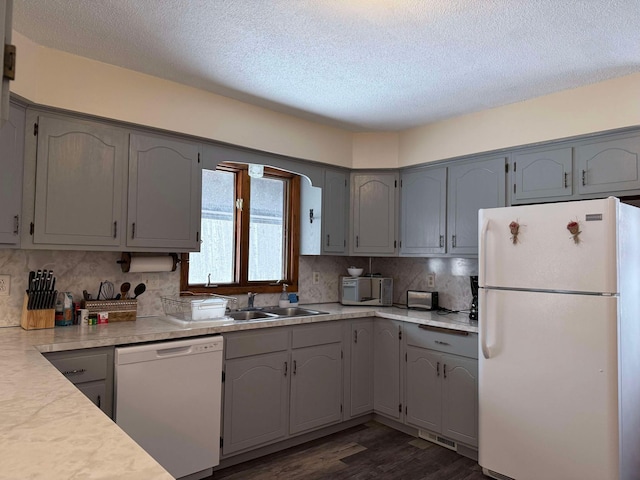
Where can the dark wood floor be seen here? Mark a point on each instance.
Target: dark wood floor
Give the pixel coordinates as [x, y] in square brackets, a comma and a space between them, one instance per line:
[370, 451]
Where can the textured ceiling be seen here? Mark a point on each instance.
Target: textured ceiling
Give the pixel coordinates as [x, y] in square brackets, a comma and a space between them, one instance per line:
[365, 65]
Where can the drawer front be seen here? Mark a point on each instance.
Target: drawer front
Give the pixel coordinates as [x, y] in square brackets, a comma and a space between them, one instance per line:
[443, 340]
[82, 368]
[244, 344]
[320, 334]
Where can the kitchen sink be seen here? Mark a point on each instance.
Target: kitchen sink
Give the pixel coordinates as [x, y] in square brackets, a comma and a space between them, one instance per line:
[250, 315]
[292, 311]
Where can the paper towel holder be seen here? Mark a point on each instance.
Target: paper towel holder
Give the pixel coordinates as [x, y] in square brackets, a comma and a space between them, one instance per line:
[126, 257]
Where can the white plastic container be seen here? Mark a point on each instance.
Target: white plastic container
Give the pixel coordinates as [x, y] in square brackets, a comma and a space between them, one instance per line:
[195, 309]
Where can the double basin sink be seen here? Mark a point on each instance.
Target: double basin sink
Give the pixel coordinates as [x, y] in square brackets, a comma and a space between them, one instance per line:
[272, 313]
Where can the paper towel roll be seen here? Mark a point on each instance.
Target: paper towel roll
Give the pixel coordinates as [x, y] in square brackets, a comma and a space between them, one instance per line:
[164, 263]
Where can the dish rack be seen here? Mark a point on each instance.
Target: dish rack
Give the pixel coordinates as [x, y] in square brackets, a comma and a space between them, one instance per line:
[200, 307]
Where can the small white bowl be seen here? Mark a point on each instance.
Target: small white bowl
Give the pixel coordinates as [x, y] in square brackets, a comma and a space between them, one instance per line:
[355, 272]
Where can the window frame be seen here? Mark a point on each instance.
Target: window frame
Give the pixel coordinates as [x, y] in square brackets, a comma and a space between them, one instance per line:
[241, 270]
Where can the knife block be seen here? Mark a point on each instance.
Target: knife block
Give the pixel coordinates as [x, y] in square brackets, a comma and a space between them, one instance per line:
[36, 319]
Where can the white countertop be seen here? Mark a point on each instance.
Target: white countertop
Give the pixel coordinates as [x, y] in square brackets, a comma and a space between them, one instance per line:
[49, 429]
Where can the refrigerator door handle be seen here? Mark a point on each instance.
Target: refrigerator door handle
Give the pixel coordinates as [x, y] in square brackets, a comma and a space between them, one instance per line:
[483, 320]
[483, 254]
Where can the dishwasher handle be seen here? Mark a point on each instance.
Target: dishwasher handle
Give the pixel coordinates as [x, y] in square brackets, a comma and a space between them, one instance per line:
[172, 351]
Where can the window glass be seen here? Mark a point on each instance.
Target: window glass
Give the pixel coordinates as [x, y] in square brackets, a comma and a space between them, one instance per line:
[266, 230]
[217, 250]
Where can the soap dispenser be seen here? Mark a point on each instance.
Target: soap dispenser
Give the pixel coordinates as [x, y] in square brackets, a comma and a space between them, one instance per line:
[284, 297]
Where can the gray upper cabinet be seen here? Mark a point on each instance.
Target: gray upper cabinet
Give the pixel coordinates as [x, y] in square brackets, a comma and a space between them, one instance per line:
[360, 385]
[164, 193]
[335, 212]
[374, 213]
[6, 11]
[79, 183]
[472, 186]
[542, 174]
[608, 166]
[386, 368]
[423, 211]
[11, 164]
[311, 218]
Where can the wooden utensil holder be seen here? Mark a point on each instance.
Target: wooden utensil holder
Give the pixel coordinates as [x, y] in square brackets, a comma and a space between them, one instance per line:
[36, 319]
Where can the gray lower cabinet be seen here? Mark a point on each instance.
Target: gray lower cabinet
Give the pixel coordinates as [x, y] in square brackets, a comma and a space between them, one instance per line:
[423, 211]
[359, 381]
[441, 371]
[610, 166]
[542, 173]
[316, 387]
[279, 383]
[91, 371]
[256, 401]
[11, 164]
[80, 177]
[423, 396]
[373, 219]
[164, 198]
[472, 186]
[335, 197]
[387, 398]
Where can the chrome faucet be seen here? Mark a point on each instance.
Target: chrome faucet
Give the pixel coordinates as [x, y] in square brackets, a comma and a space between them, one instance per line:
[251, 298]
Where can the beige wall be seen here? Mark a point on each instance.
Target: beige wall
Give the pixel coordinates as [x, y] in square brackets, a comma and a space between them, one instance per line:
[598, 107]
[375, 150]
[58, 79]
[54, 78]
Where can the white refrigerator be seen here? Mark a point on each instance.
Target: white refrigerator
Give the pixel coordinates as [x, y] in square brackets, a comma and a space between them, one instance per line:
[559, 321]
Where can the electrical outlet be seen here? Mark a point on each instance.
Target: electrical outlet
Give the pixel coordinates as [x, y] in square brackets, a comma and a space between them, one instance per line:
[316, 278]
[431, 280]
[5, 284]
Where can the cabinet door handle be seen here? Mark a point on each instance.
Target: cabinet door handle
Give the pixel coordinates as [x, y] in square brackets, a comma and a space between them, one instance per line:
[328, 239]
[115, 229]
[441, 343]
[311, 215]
[295, 367]
[78, 371]
[441, 241]
[355, 336]
[99, 402]
[285, 368]
[566, 176]
[438, 369]
[584, 178]
[444, 370]
[453, 241]
[357, 241]
[133, 230]
[16, 224]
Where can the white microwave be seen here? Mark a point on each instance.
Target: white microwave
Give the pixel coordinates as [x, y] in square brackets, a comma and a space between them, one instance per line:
[366, 291]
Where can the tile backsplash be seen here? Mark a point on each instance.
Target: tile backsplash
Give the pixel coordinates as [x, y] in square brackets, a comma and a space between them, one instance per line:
[78, 270]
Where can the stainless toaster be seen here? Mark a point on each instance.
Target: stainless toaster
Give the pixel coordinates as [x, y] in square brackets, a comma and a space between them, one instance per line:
[422, 300]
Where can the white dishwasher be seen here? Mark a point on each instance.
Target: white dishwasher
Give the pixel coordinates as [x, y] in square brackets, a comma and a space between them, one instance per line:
[168, 399]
